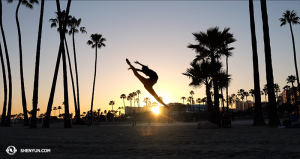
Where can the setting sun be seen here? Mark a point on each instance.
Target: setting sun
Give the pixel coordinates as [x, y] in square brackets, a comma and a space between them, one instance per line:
[155, 110]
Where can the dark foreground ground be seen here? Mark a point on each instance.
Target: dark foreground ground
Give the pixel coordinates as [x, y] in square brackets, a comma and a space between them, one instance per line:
[159, 140]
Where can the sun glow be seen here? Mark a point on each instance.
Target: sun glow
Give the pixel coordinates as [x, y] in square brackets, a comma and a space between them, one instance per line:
[155, 109]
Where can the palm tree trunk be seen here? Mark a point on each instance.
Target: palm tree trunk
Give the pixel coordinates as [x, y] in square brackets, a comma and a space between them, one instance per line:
[227, 85]
[94, 78]
[8, 70]
[216, 115]
[37, 64]
[296, 68]
[72, 80]
[67, 123]
[52, 92]
[77, 83]
[24, 104]
[5, 88]
[273, 114]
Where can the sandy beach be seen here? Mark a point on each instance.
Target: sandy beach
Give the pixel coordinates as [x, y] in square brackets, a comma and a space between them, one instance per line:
[159, 140]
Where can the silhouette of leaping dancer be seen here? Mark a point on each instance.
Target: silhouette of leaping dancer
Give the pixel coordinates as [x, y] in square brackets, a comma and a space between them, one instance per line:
[148, 83]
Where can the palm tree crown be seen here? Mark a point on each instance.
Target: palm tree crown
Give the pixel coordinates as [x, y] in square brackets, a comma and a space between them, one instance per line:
[289, 17]
[96, 40]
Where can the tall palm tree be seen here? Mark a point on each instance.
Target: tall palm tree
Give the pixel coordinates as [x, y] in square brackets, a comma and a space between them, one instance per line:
[3, 118]
[291, 79]
[68, 22]
[133, 96]
[74, 24]
[30, 6]
[183, 98]
[112, 103]
[7, 121]
[61, 16]
[146, 100]
[123, 96]
[67, 123]
[258, 118]
[54, 108]
[291, 18]
[96, 42]
[246, 95]
[265, 90]
[59, 108]
[241, 94]
[227, 52]
[138, 92]
[252, 93]
[192, 93]
[273, 113]
[276, 89]
[200, 74]
[129, 98]
[37, 60]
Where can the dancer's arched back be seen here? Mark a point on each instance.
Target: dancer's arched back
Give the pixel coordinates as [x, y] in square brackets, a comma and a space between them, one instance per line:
[148, 83]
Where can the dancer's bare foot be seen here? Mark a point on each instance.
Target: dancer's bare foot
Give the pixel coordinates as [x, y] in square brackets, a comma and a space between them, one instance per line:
[128, 62]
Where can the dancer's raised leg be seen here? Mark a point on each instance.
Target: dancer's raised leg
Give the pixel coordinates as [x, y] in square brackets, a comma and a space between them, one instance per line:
[141, 78]
[153, 93]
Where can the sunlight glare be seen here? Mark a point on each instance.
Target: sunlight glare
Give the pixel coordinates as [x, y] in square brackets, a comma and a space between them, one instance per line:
[155, 110]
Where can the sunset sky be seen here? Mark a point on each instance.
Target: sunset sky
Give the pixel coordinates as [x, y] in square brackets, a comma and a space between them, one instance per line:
[154, 33]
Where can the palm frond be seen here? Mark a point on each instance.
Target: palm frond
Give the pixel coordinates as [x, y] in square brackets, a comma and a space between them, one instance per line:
[53, 25]
[82, 30]
[89, 42]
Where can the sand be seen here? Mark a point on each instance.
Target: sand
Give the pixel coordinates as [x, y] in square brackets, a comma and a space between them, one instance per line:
[159, 140]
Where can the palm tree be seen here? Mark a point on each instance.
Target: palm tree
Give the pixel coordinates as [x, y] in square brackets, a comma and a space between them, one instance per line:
[200, 73]
[276, 89]
[3, 118]
[192, 93]
[74, 24]
[54, 108]
[130, 99]
[252, 93]
[30, 6]
[59, 108]
[258, 118]
[138, 92]
[7, 121]
[291, 79]
[112, 103]
[210, 44]
[265, 90]
[37, 60]
[54, 24]
[291, 18]
[133, 96]
[123, 96]
[96, 42]
[146, 100]
[61, 17]
[241, 94]
[183, 98]
[67, 123]
[273, 113]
